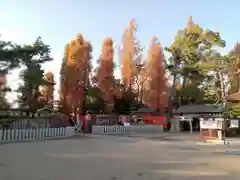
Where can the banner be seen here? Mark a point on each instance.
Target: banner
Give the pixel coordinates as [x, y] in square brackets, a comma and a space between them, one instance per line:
[160, 120]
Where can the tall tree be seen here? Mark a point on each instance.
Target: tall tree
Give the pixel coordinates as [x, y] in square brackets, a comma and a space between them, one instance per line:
[233, 67]
[216, 66]
[31, 58]
[75, 74]
[234, 81]
[129, 54]
[105, 78]
[158, 88]
[189, 50]
[64, 78]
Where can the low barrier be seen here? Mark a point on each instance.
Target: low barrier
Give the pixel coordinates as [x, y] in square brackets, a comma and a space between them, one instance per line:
[14, 135]
[107, 130]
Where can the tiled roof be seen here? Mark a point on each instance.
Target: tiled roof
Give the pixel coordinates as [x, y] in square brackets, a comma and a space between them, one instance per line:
[199, 108]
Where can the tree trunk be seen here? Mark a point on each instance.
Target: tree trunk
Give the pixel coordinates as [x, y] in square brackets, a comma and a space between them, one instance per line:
[224, 101]
[222, 85]
[141, 92]
[170, 97]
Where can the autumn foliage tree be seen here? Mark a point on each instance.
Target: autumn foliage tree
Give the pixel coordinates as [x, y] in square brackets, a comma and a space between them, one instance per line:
[47, 91]
[63, 81]
[105, 78]
[74, 74]
[157, 96]
[128, 54]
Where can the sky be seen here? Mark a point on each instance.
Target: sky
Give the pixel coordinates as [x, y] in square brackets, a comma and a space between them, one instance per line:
[57, 22]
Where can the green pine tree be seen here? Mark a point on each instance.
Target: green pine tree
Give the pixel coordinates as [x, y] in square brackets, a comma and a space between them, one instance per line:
[188, 51]
[32, 57]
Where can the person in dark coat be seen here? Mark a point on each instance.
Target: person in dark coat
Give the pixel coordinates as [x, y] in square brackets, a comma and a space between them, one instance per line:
[71, 121]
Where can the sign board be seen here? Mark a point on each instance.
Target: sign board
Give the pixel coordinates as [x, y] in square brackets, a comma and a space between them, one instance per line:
[186, 118]
[234, 123]
[126, 124]
[209, 125]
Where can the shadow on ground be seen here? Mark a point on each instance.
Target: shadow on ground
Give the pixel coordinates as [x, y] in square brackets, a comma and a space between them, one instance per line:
[119, 166]
[114, 158]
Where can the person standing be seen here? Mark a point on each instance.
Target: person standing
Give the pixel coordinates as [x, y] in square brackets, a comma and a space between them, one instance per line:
[71, 121]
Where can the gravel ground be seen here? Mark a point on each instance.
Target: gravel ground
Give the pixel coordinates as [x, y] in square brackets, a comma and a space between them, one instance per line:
[118, 158]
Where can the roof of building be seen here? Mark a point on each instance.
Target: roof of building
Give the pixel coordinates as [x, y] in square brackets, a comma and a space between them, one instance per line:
[146, 110]
[200, 108]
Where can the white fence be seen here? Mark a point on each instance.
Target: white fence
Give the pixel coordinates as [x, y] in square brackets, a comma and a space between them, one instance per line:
[14, 135]
[108, 130]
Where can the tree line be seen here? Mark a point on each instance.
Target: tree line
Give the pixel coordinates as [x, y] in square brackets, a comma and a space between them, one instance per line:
[102, 90]
[199, 72]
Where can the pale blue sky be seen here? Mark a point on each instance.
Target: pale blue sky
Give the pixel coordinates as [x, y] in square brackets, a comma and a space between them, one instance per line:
[57, 22]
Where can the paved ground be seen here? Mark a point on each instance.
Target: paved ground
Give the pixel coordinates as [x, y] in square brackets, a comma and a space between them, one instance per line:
[118, 158]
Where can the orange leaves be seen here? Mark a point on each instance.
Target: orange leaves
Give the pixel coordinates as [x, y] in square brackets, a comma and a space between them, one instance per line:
[48, 89]
[157, 96]
[79, 39]
[76, 63]
[74, 71]
[105, 78]
[127, 53]
[126, 59]
[49, 77]
[107, 50]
